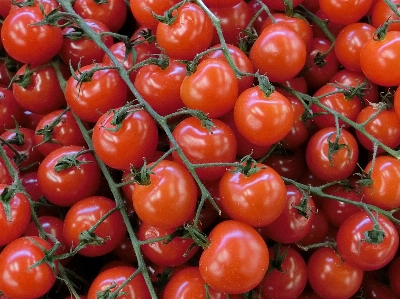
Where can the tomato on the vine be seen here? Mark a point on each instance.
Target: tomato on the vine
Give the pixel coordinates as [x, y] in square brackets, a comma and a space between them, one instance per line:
[345, 12]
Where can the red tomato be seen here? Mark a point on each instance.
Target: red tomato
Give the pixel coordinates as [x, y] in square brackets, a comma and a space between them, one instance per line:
[332, 155]
[289, 163]
[36, 44]
[212, 88]
[18, 279]
[263, 120]
[384, 191]
[363, 248]
[205, 145]
[89, 100]
[5, 6]
[386, 70]
[43, 93]
[393, 275]
[382, 12]
[31, 185]
[288, 275]
[333, 27]
[111, 280]
[221, 3]
[295, 220]
[330, 276]
[112, 12]
[236, 260]
[113, 138]
[256, 199]
[7, 69]
[65, 182]
[190, 33]
[280, 5]
[169, 199]
[345, 12]
[83, 215]
[14, 221]
[319, 230]
[48, 5]
[5, 176]
[279, 52]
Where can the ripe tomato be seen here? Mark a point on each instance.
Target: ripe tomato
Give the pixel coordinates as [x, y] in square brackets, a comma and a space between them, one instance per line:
[256, 199]
[221, 3]
[384, 191]
[289, 163]
[5, 176]
[393, 275]
[112, 141]
[169, 199]
[292, 224]
[263, 120]
[202, 145]
[381, 12]
[356, 246]
[279, 52]
[345, 12]
[330, 276]
[189, 34]
[280, 5]
[110, 280]
[236, 259]
[36, 44]
[212, 88]
[86, 213]
[332, 155]
[31, 185]
[65, 183]
[14, 222]
[48, 5]
[18, 277]
[386, 70]
[89, 100]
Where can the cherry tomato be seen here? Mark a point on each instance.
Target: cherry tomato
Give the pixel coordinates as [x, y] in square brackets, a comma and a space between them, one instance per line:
[280, 5]
[393, 275]
[346, 12]
[363, 248]
[5, 176]
[30, 183]
[225, 264]
[289, 163]
[382, 12]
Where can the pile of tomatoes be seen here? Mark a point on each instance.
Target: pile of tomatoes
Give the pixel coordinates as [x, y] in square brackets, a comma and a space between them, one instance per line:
[199, 149]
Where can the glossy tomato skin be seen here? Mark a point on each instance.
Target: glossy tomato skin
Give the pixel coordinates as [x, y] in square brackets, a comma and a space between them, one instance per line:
[279, 5]
[331, 162]
[225, 264]
[67, 186]
[362, 253]
[346, 12]
[13, 225]
[169, 200]
[90, 100]
[263, 120]
[5, 176]
[114, 144]
[279, 52]
[330, 276]
[212, 88]
[257, 199]
[35, 44]
[118, 275]
[83, 215]
[17, 278]
[201, 145]
[381, 12]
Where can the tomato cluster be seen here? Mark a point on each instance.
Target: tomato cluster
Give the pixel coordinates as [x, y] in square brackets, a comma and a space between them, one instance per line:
[199, 149]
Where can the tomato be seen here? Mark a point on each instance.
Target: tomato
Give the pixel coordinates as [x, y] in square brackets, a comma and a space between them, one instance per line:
[57, 129]
[5, 176]
[346, 12]
[112, 12]
[169, 253]
[9, 110]
[5, 7]
[295, 220]
[384, 126]
[110, 280]
[83, 215]
[169, 199]
[17, 274]
[36, 44]
[376, 287]
[89, 100]
[381, 12]
[349, 43]
[64, 182]
[386, 70]
[356, 246]
[288, 276]
[205, 145]
[79, 49]
[330, 276]
[221, 3]
[48, 5]
[113, 139]
[333, 27]
[332, 155]
[190, 33]
[212, 88]
[383, 191]
[396, 102]
[7, 69]
[279, 5]
[160, 87]
[262, 119]
[31, 185]
[225, 264]
[255, 7]
[256, 199]
[289, 163]
[279, 52]
[14, 222]
[393, 274]
[319, 230]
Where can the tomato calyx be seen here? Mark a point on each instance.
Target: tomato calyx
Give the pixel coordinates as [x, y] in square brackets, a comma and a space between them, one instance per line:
[169, 16]
[47, 130]
[376, 234]
[5, 198]
[302, 208]
[119, 116]
[279, 258]
[335, 146]
[265, 85]
[108, 293]
[100, 1]
[199, 238]
[24, 80]
[247, 166]
[69, 161]
[48, 256]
